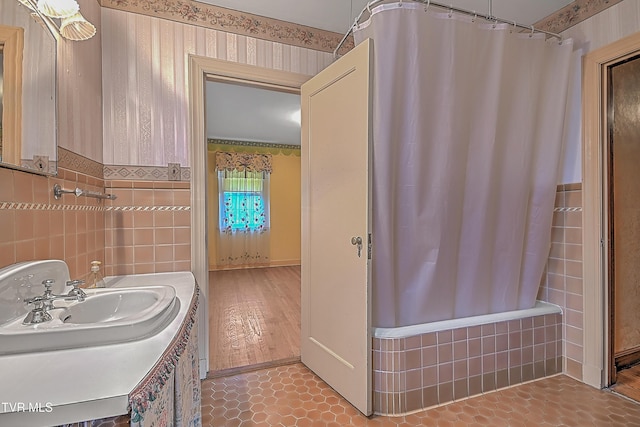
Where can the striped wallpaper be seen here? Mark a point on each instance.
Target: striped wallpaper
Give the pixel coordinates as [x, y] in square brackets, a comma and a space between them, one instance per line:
[145, 84]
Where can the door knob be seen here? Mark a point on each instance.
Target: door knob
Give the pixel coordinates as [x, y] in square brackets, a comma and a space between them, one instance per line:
[357, 241]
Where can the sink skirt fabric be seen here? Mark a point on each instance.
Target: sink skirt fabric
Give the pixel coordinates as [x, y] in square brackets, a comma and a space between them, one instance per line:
[187, 392]
[170, 395]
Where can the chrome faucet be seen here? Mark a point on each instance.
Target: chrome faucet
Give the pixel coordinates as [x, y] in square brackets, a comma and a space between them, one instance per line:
[76, 293]
[43, 303]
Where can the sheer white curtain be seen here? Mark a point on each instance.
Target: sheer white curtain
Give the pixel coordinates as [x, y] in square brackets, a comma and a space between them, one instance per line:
[468, 124]
[243, 221]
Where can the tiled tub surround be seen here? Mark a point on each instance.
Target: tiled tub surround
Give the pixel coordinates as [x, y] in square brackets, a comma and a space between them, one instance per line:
[148, 227]
[34, 225]
[398, 390]
[434, 368]
[562, 284]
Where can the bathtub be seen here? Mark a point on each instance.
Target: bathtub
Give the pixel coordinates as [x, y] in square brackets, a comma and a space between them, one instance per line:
[420, 366]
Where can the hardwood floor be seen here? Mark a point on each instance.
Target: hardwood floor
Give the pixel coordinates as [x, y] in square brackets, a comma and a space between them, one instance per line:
[628, 383]
[254, 318]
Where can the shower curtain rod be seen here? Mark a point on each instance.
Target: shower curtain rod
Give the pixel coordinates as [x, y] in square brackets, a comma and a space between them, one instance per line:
[489, 17]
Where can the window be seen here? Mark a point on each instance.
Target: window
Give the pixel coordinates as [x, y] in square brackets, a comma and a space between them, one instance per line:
[243, 200]
[242, 204]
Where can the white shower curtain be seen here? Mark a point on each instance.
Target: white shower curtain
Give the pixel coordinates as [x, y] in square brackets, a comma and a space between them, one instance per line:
[468, 124]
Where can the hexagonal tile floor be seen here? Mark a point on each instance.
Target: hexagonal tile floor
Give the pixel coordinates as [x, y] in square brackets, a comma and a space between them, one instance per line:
[289, 396]
[293, 396]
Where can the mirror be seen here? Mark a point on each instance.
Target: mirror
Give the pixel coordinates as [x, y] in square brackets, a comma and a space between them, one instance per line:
[28, 129]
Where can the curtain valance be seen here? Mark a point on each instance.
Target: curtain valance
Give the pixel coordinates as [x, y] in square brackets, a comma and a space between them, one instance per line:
[243, 162]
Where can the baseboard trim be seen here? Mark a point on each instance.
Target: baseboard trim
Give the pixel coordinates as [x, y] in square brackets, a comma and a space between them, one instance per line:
[627, 358]
[204, 366]
[246, 267]
[230, 372]
[592, 375]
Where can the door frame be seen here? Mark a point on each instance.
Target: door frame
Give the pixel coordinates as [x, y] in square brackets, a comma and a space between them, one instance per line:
[598, 367]
[200, 68]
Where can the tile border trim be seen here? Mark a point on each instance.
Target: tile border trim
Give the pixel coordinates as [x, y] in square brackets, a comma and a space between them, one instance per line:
[143, 173]
[40, 164]
[77, 163]
[147, 208]
[567, 209]
[18, 206]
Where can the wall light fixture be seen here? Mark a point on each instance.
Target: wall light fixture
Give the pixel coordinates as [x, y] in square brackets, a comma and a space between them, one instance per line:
[63, 17]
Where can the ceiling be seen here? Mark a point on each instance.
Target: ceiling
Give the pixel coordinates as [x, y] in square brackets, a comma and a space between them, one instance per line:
[338, 15]
[250, 114]
[243, 113]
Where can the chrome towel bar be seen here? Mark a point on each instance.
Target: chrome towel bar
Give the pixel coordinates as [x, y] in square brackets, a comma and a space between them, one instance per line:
[58, 191]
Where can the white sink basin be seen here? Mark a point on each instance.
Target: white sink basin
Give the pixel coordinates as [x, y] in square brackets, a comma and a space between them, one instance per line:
[118, 305]
[106, 316]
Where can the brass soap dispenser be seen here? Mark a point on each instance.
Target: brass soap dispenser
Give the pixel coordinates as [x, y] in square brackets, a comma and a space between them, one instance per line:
[96, 279]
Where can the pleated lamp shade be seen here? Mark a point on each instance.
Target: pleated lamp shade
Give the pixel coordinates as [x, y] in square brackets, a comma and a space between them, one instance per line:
[77, 28]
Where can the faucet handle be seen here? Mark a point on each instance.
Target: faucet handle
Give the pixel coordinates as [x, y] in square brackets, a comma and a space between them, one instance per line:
[74, 283]
[76, 292]
[37, 300]
[48, 283]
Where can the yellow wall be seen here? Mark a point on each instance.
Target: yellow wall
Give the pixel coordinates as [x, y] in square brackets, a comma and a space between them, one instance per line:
[285, 210]
[284, 207]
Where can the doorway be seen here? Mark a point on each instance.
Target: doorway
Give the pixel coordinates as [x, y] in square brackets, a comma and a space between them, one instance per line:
[253, 150]
[202, 69]
[606, 214]
[255, 263]
[624, 223]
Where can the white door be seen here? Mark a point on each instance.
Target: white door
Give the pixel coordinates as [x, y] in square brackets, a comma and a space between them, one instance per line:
[336, 337]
